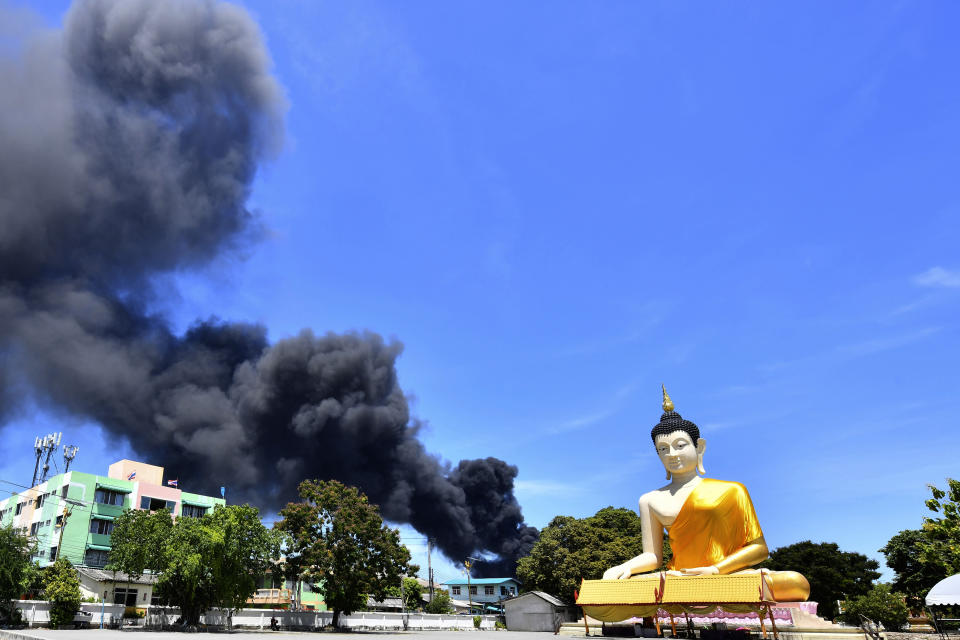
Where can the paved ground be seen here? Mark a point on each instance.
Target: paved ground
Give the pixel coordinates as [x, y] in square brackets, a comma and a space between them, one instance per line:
[106, 634]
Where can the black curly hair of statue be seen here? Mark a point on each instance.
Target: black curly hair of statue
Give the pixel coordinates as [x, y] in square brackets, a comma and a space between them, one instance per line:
[672, 421]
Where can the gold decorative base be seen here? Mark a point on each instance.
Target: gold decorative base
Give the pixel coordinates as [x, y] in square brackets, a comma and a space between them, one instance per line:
[616, 600]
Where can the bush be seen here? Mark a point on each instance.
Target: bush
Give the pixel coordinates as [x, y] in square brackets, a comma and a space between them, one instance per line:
[476, 621]
[880, 604]
[440, 602]
[62, 589]
[499, 625]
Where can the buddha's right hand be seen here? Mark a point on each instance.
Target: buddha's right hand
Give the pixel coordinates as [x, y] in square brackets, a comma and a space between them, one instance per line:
[619, 572]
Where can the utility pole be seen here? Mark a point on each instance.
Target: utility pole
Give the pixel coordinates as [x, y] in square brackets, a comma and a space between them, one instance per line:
[467, 563]
[429, 569]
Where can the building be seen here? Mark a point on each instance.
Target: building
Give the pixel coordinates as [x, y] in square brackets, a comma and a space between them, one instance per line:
[71, 514]
[537, 611]
[486, 594]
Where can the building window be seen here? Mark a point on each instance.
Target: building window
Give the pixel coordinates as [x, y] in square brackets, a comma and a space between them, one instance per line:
[473, 590]
[513, 591]
[40, 500]
[488, 590]
[19, 508]
[125, 596]
[192, 511]
[455, 590]
[106, 496]
[33, 528]
[63, 491]
[96, 558]
[156, 504]
[53, 553]
[103, 527]
[503, 590]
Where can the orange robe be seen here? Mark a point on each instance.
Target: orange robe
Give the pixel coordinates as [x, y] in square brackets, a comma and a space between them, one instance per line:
[716, 520]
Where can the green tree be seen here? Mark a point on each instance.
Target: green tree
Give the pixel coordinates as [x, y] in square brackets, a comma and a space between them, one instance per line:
[440, 602]
[62, 588]
[15, 551]
[833, 574]
[340, 537]
[138, 541]
[185, 577]
[213, 561]
[940, 550]
[573, 549]
[412, 592]
[914, 577]
[880, 604]
[239, 552]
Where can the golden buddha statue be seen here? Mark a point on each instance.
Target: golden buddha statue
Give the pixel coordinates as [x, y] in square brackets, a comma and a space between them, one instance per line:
[711, 524]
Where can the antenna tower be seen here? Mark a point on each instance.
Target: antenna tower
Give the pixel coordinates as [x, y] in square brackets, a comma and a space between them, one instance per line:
[43, 448]
[69, 453]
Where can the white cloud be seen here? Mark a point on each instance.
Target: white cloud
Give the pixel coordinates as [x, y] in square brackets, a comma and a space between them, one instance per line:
[938, 277]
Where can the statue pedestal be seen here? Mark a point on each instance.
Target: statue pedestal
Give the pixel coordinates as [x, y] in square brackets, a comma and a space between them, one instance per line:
[647, 596]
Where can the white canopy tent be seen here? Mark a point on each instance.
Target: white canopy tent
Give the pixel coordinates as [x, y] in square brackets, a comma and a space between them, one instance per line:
[947, 591]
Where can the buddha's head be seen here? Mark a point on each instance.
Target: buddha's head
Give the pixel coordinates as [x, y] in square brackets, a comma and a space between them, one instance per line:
[677, 441]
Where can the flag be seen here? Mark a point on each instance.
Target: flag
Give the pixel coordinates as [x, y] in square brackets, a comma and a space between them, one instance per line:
[172, 483]
[223, 492]
[133, 474]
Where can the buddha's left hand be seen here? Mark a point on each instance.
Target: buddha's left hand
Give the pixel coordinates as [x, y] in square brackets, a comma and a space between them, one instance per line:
[701, 571]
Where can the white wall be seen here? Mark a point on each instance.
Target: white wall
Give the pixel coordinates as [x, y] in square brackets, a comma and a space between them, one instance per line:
[37, 613]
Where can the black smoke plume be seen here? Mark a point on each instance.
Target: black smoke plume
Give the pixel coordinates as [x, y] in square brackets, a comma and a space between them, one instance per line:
[130, 140]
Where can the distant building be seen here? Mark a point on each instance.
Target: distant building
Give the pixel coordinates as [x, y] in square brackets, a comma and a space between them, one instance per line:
[71, 514]
[486, 594]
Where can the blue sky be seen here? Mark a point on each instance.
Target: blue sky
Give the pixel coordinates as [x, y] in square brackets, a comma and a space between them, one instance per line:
[557, 207]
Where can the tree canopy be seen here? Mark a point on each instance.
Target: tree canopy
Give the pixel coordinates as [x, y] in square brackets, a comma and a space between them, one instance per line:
[833, 574]
[15, 550]
[335, 534]
[940, 550]
[213, 561]
[571, 549]
[914, 576]
[138, 540]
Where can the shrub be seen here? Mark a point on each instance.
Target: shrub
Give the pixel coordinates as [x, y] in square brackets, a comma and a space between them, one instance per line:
[880, 604]
[62, 589]
[476, 621]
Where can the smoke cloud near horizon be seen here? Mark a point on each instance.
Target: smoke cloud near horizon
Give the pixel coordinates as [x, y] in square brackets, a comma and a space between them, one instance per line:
[131, 139]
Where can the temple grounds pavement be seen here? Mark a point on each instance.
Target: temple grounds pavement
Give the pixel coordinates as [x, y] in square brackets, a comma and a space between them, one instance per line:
[112, 634]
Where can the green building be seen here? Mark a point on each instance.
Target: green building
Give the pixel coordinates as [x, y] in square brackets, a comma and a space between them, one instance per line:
[71, 514]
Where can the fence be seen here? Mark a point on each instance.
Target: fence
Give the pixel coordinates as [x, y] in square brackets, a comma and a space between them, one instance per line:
[37, 613]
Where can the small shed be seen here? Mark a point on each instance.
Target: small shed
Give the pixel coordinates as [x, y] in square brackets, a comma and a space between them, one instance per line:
[537, 611]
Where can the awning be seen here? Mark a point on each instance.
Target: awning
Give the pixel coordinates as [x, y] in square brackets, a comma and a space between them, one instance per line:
[947, 591]
[98, 547]
[113, 487]
[196, 503]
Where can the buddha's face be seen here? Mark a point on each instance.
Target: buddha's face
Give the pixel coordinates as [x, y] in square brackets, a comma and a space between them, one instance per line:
[678, 453]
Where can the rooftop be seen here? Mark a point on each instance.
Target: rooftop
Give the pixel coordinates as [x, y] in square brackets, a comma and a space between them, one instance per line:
[482, 581]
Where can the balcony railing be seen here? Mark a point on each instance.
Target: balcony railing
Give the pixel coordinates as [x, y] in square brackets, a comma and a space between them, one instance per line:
[270, 596]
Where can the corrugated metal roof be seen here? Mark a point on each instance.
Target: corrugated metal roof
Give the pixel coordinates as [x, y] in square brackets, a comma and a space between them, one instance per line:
[549, 598]
[101, 575]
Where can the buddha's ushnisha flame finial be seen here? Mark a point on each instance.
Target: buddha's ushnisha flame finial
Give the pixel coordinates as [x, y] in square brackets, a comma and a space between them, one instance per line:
[667, 402]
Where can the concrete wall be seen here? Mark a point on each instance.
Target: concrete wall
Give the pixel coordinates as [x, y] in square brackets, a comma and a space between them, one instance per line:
[37, 612]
